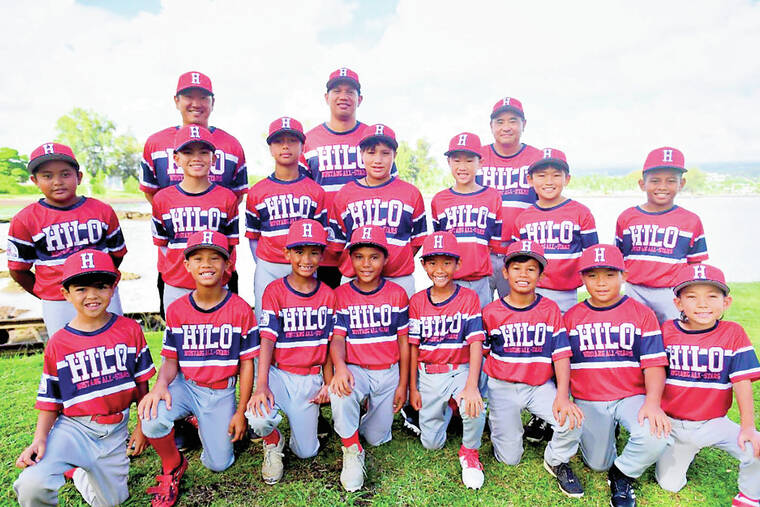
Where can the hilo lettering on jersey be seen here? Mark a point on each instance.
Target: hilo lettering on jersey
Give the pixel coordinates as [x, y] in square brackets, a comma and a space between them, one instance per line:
[272, 205]
[209, 344]
[444, 331]
[508, 176]
[703, 366]
[396, 206]
[299, 324]
[564, 230]
[475, 220]
[44, 236]
[656, 245]
[158, 170]
[524, 342]
[178, 214]
[371, 322]
[611, 348]
[94, 373]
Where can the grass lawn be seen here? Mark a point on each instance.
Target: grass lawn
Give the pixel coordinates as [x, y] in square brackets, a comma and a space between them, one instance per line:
[400, 472]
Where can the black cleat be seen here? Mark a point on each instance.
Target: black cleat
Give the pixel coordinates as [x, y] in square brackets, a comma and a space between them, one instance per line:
[185, 435]
[568, 482]
[537, 430]
[323, 427]
[411, 420]
[621, 488]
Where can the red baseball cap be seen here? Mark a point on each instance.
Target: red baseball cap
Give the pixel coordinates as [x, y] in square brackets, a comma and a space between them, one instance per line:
[48, 152]
[522, 248]
[88, 262]
[440, 243]
[466, 142]
[194, 79]
[193, 134]
[212, 240]
[344, 75]
[551, 156]
[372, 235]
[665, 158]
[380, 132]
[692, 274]
[508, 104]
[306, 232]
[601, 256]
[285, 125]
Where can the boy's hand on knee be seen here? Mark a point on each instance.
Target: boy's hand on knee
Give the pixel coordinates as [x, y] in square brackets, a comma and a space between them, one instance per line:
[262, 396]
[659, 422]
[399, 398]
[138, 442]
[322, 396]
[148, 407]
[753, 437]
[237, 426]
[342, 382]
[563, 409]
[470, 400]
[415, 399]
[32, 454]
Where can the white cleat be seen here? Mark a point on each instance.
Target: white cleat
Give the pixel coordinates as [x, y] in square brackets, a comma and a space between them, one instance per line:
[271, 467]
[472, 469]
[352, 475]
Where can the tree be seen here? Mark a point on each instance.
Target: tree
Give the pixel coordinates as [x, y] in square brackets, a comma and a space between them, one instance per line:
[96, 145]
[14, 165]
[419, 168]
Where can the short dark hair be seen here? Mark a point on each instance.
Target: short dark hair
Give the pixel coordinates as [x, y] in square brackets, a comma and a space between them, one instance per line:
[523, 258]
[373, 142]
[370, 245]
[90, 280]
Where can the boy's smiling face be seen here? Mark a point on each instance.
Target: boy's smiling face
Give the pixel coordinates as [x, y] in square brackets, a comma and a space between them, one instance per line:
[58, 181]
[378, 160]
[91, 300]
[286, 149]
[206, 266]
[195, 159]
[304, 259]
[603, 285]
[440, 269]
[661, 187]
[702, 304]
[548, 182]
[464, 166]
[522, 275]
[195, 106]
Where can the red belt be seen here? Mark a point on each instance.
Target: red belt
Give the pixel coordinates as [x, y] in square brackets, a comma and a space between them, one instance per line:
[438, 368]
[222, 384]
[108, 419]
[299, 370]
[376, 366]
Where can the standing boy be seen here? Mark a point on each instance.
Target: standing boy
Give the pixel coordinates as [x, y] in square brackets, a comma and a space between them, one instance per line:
[45, 233]
[384, 200]
[446, 335]
[658, 237]
[472, 213]
[528, 346]
[277, 201]
[294, 371]
[617, 374]
[369, 351]
[194, 204]
[93, 369]
[562, 226]
[210, 340]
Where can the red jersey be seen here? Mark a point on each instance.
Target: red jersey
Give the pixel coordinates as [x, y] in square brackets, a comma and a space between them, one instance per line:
[475, 220]
[703, 367]
[611, 348]
[44, 236]
[444, 331]
[656, 245]
[178, 214]
[396, 206]
[371, 322]
[299, 324]
[94, 373]
[272, 205]
[209, 344]
[524, 342]
[565, 231]
[508, 176]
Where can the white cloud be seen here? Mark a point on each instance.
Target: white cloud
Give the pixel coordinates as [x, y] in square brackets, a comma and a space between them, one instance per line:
[605, 81]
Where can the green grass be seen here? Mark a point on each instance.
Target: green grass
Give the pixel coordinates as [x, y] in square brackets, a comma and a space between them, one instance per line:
[399, 473]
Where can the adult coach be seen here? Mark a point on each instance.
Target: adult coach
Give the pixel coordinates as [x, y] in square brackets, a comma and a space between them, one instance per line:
[194, 99]
[504, 167]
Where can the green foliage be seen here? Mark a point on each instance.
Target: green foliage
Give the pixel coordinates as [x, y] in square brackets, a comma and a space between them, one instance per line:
[698, 182]
[9, 185]
[131, 185]
[416, 166]
[98, 184]
[96, 145]
[13, 165]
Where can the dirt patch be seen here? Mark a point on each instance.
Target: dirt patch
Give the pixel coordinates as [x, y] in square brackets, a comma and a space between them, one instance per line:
[133, 215]
[10, 312]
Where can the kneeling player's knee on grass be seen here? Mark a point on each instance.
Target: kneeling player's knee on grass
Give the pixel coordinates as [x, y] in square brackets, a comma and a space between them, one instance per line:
[433, 444]
[511, 459]
[30, 486]
[671, 485]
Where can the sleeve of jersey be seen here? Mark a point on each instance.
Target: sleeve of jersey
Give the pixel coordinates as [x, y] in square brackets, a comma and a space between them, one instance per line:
[250, 345]
[401, 316]
[303, 166]
[588, 230]
[473, 326]
[419, 221]
[169, 347]
[230, 228]
[148, 179]
[160, 235]
[698, 248]
[415, 326]
[114, 237]
[144, 368]
[320, 213]
[240, 181]
[269, 327]
[330, 324]
[560, 342]
[494, 232]
[340, 328]
[439, 222]
[339, 218]
[619, 234]
[21, 253]
[652, 351]
[252, 218]
[744, 364]
[49, 391]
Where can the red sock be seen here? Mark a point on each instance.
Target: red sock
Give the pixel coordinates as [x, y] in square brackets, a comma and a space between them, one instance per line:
[167, 451]
[69, 474]
[273, 438]
[454, 405]
[742, 500]
[353, 439]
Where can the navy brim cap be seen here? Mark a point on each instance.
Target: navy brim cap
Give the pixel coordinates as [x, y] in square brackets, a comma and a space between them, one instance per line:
[360, 244]
[37, 162]
[715, 283]
[665, 168]
[533, 255]
[602, 266]
[192, 141]
[189, 250]
[558, 162]
[296, 133]
[451, 152]
[71, 279]
[433, 254]
[344, 79]
[305, 243]
[505, 109]
[384, 139]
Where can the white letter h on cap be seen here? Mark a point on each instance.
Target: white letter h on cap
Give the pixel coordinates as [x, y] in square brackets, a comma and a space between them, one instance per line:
[438, 242]
[286, 123]
[366, 233]
[306, 230]
[699, 272]
[195, 78]
[548, 153]
[599, 255]
[208, 237]
[462, 140]
[667, 155]
[195, 131]
[87, 260]
[526, 246]
[48, 148]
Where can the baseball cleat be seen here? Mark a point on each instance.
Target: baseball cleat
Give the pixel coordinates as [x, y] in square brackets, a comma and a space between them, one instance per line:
[411, 420]
[621, 488]
[323, 427]
[568, 482]
[165, 494]
[472, 469]
[537, 430]
[271, 467]
[352, 475]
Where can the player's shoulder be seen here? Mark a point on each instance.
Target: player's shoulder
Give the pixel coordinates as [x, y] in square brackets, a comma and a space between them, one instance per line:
[419, 298]
[165, 193]
[93, 203]
[577, 206]
[532, 151]
[404, 186]
[681, 215]
[490, 194]
[576, 312]
[344, 291]
[179, 307]
[394, 290]
[162, 139]
[441, 194]
[547, 305]
[31, 210]
[467, 296]
[636, 309]
[629, 213]
[324, 291]
[222, 192]
[237, 302]
[734, 331]
[493, 307]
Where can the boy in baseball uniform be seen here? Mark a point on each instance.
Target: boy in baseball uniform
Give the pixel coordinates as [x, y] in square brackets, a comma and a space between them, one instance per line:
[94, 367]
[210, 340]
[617, 374]
[446, 335]
[45, 233]
[369, 351]
[472, 213]
[528, 346]
[658, 238]
[708, 358]
[294, 371]
[194, 204]
[277, 201]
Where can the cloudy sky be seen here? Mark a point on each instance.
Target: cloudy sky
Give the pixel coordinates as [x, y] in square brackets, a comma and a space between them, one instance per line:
[605, 81]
